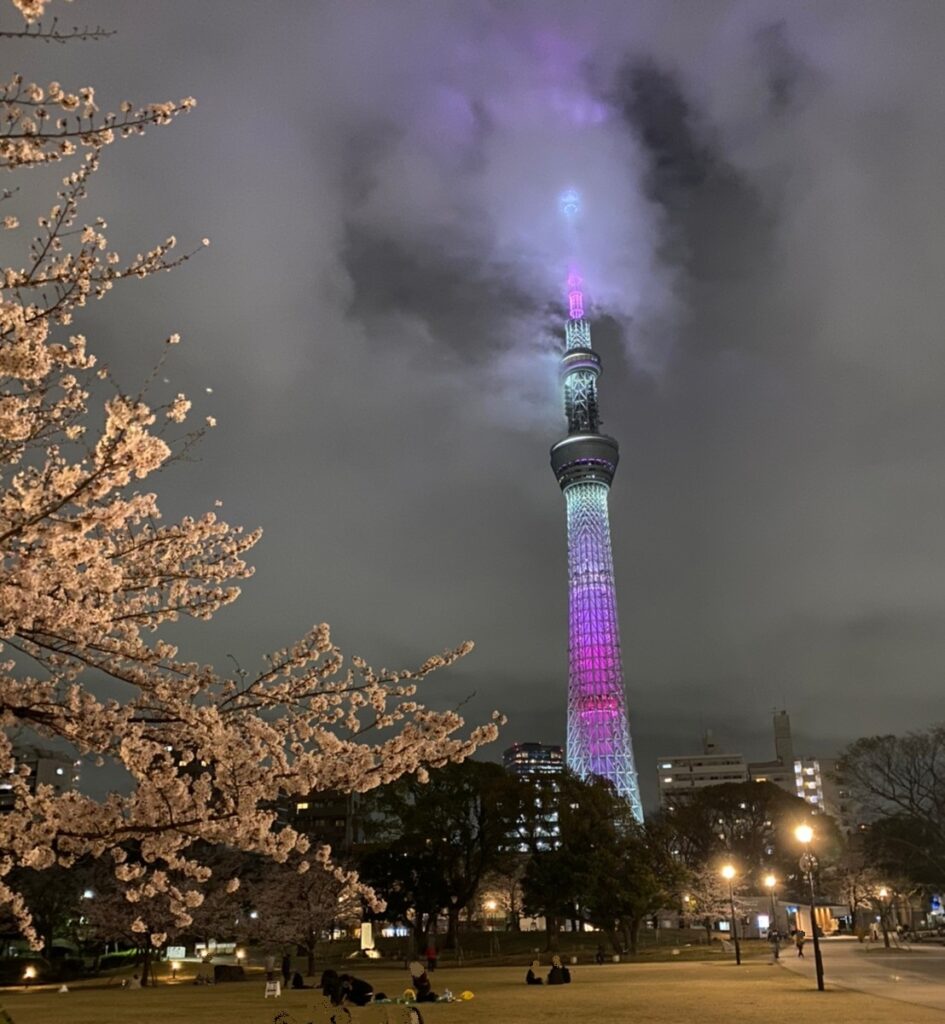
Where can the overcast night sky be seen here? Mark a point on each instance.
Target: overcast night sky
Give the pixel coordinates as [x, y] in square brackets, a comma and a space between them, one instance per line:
[381, 310]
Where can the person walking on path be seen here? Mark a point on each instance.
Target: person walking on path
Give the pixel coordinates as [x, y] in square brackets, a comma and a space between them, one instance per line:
[286, 969]
[774, 937]
[431, 956]
[800, 937]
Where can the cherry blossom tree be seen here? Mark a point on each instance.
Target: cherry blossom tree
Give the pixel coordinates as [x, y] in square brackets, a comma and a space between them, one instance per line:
[91, 573]
[289, 908]
[113, 910]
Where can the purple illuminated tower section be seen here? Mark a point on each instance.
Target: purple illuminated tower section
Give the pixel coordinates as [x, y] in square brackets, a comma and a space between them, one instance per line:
[584, 464]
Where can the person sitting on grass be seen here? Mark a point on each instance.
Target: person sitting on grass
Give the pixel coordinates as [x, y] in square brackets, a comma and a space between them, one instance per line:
[331, 987]
[559, 974]
[346, 988]
[358, 991]
[532, 977]
[420, 983]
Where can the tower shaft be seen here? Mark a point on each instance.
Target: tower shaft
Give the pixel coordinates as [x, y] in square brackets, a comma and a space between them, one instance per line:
[584, 463]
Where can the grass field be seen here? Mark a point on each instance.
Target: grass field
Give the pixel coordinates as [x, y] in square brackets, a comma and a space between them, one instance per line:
[664, 993]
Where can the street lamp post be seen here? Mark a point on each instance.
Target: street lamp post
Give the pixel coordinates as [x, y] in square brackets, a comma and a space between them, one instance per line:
[728, 873]
[770, 883]
[883, 894]
[804, 834]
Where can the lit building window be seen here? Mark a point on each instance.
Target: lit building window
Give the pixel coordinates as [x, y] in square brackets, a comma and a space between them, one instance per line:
[301, 807]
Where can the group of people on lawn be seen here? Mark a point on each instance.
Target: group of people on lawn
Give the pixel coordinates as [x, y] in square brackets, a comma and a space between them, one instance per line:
[346, 988]
[558, 975]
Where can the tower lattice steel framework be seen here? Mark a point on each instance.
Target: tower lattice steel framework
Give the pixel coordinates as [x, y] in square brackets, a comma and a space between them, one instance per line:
[584, 464]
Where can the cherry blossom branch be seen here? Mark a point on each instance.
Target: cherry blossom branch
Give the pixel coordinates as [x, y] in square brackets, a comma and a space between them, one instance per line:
[54, 34]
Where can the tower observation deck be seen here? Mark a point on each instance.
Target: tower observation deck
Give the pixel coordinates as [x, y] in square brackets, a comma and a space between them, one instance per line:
[584, 464]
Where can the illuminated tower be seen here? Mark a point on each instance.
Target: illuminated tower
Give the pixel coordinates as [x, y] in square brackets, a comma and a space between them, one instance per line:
[584, 464]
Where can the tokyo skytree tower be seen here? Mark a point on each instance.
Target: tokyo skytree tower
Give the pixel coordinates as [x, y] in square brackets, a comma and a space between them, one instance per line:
[584, 464]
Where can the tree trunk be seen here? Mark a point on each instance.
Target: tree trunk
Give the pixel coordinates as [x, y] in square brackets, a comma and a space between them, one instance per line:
[421, 926]
[310, 953]
[514, 923]
[635, 934]
[452, 927]
[552, 928]
[146, 966]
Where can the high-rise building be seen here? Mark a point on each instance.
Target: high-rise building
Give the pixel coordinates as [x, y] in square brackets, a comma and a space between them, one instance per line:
[679, 776]
[584, 464]
[325, 817]
[810, 778]
[47, 767]
[783, 741]
[534, 760]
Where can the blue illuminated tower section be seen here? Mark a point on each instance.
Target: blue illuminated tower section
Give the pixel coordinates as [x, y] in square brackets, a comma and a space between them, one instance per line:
[584, 464]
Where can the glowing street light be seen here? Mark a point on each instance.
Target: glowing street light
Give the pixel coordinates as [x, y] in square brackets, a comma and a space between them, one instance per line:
[804, 834]
[490, 907]
[728, 873]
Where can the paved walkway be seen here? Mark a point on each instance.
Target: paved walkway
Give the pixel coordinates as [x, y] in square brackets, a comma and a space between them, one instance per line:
[910, 975]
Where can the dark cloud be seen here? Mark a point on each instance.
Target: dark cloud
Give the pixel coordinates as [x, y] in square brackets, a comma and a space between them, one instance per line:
[762, 240]
[785, 69]
[450, 289]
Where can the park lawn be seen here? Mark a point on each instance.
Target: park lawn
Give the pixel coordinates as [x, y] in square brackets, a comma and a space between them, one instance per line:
[666, 993]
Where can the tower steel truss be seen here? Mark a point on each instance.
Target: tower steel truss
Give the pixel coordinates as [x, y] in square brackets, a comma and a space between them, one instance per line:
[584, 463]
